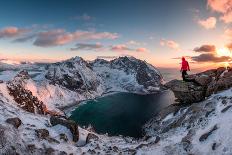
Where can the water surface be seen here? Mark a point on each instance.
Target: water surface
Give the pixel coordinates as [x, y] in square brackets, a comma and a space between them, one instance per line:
[121, 113]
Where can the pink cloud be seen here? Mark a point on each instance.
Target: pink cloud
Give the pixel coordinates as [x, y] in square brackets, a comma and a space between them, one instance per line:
[10, 32]
[227, 18]
[121, 47]
[141, 49]
[61, 37]
[208, 23]
[228, 34]
[224, 7]
[124, 48]
[170, 43]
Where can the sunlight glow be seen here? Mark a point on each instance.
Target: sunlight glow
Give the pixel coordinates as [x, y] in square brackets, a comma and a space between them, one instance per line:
[224, 52]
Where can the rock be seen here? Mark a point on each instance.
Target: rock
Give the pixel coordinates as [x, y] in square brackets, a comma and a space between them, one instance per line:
[23, 97]
[52, 140]
[186, 92]
[157, 139]
[224, 102]
[219, 71]
[210, 81]
[16, 122]
[214, 146]
[49, 151]
[90, 137]
[42, 133]
[63, 137]
[203, 80]
[31, 148]
[209, 112]
[71, 125]
[207, 134]
[226, 108]
[62, 153]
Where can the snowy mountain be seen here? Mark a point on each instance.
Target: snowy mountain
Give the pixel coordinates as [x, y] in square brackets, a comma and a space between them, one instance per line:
[127, 74]
[33, 122]
[122, 74]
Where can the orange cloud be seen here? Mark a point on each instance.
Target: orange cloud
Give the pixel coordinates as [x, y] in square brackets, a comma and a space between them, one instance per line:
[228, 34]
[208, 23]
[224, 7]
[10, 32]
[205, 49]
[170, 43]
[141, 49]
[121, 47]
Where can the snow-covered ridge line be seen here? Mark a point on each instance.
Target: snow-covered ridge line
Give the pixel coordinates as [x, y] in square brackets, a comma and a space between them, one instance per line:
[200, 128]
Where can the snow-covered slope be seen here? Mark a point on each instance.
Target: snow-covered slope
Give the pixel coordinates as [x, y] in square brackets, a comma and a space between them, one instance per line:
[127, 74]
[26, 127]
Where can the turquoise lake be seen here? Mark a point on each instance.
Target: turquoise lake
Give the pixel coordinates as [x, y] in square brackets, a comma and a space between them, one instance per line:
[121, 113]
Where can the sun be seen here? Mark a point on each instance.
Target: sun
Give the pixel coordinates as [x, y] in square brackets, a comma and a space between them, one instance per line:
[224, 52]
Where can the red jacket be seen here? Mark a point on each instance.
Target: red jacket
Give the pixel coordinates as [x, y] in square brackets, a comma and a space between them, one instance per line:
[184, 65]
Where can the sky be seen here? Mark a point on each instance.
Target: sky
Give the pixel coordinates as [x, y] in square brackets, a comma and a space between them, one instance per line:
[158, 31]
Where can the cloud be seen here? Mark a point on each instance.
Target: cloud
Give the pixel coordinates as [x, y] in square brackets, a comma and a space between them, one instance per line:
[52, 37]
[141, 49]
[224, 7]
[208, 23]
[179, 58]
[84, 46]
[121, 47]
[228, 34]
[170, 43]
[205, 48]
[229, 46]
[227, 18]
[133, 42]
[209, 57]
[24, 39]
[124, 48]
[11, 32]
[61, 37]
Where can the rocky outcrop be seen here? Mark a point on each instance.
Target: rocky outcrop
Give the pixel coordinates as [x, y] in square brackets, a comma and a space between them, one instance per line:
[71, 125]
[23, 97]
[186, 92]
[16, 122]
[205, 84]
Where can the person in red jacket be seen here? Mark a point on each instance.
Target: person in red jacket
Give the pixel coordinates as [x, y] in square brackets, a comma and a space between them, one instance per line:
[184, 69]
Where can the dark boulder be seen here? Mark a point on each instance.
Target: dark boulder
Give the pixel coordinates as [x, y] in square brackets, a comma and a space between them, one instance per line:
[207, 134]
[91, 137]
[186, 92]
[42, 133]
[71, 125]
[16, 122]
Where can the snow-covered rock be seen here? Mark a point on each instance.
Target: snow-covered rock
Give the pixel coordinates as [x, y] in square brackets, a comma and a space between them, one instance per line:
[128, 74]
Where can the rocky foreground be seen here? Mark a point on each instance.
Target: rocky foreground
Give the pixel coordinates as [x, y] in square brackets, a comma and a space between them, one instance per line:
[206, 83]
[32, 121]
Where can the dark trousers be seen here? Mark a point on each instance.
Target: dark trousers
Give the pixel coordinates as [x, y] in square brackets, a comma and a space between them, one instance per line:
[184, 73]
[186, 79]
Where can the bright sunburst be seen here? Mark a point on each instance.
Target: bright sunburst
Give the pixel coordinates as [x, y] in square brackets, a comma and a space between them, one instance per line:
[224, 52]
